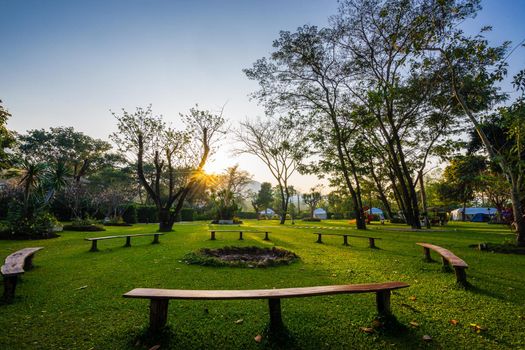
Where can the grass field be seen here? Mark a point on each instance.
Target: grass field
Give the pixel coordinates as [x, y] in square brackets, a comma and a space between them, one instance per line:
[72, 299]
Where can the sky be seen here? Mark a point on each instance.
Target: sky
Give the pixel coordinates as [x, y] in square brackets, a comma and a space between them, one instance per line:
[68, 63]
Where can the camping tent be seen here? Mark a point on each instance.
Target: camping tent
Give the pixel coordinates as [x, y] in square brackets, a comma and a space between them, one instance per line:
[471, 214]
[268, 212]
[320, 213]
[376, 211]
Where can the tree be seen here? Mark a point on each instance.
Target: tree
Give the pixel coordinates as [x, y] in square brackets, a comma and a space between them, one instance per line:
[312, 199]
[228, 191]
[461, 180]
[7, 139]
[264, 197]
[178, 156]
[279, 145]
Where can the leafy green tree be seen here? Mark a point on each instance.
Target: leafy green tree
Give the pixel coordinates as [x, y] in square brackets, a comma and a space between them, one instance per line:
[229, 190]
[178, 156]
[461, 180]
[264, 197]
[7, 139]
[312, 200]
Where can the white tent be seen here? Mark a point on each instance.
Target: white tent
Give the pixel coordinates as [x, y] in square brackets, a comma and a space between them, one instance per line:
[267, 212]
[457, 214]
[320, 213]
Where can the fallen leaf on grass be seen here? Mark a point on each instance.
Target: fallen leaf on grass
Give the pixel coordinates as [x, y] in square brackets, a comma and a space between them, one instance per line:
[83, 287]
[453, 322]
[427, 337]
[239, 321]
[414, 324]
[366, 329]
[413, 298]
[477, 328]
[258, 338]
[377, 324]
[155, 347]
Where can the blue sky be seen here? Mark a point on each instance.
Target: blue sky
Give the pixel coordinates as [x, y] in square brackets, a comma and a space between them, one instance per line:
[66, 63]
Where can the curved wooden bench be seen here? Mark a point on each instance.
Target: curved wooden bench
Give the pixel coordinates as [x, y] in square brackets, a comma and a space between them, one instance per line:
[128, 239]
[15, 265]
[212, 233]
[159, 298]
[371, 240]
[448, 258]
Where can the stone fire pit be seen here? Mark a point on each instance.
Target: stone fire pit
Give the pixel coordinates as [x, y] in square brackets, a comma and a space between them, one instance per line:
[241, 257]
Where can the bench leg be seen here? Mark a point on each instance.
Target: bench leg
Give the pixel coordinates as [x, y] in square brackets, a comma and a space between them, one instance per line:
[371, 242]
[383, 303]
[28, 263]
[345, 240]
[94, 246]
[9, 288]
[276, 321]
[461, 276]
[319, 240]
[240, 236]
[128, 242]
[426, 251]
[212, 238]
[446, 264]
[266, 238]
[158, 314]
[155, 239]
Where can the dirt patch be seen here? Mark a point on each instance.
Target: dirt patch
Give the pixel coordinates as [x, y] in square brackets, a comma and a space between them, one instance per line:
[241, 257]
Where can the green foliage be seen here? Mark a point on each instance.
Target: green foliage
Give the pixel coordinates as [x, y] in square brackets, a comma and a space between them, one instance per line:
[186, 214]
[147, 214]
[7, 139]
[130, 215]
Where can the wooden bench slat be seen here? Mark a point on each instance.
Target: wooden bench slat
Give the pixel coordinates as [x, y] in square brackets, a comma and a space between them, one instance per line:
[152, 293]
[447, 254]
[343, 234]
[123, 236]
[14, 263]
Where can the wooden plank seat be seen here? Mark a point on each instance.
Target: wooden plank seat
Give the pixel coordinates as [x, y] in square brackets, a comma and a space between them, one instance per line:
[94, 240]
[371, 240]
[159, 298]
[15, 265]
[448, 258]
[212, 233]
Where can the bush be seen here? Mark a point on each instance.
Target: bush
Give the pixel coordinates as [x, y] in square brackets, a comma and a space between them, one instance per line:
[147, 214]
[312, 219]
[203, 217]
[186, 214]
[41, 224]
[86, 228]
[397, 220]
[130, 214]
[246, 215]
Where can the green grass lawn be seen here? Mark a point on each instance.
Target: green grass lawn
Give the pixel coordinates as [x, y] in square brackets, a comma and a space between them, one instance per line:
[72, 299]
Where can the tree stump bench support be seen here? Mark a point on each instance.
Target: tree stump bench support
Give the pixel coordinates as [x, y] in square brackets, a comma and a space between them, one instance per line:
[241, 238]
[371, 240]
[159, 298]
[448, 259]
[15, 265]
[128, 239]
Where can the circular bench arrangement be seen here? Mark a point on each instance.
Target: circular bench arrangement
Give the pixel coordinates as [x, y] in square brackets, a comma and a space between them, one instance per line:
[241, 257]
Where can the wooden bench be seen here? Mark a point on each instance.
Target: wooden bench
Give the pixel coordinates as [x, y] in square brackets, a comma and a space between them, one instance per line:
[448, 259]
[128, 239]
[371, 240]
[159, 298]
[16, 264]
[212, 233]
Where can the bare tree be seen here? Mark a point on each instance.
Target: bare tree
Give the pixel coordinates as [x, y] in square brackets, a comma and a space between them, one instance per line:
[178, 156]
[279, 145]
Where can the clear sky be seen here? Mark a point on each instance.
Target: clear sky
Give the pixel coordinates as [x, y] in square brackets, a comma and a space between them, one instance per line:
[66, 63]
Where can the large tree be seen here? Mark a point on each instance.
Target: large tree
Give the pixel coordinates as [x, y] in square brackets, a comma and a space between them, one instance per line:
[229, 190]
[7, 138]
[280, 146]
[178, 156]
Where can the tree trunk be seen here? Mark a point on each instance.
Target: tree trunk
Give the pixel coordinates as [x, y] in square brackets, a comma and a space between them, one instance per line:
[424, 199]
[165, 220]
[517, 210]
